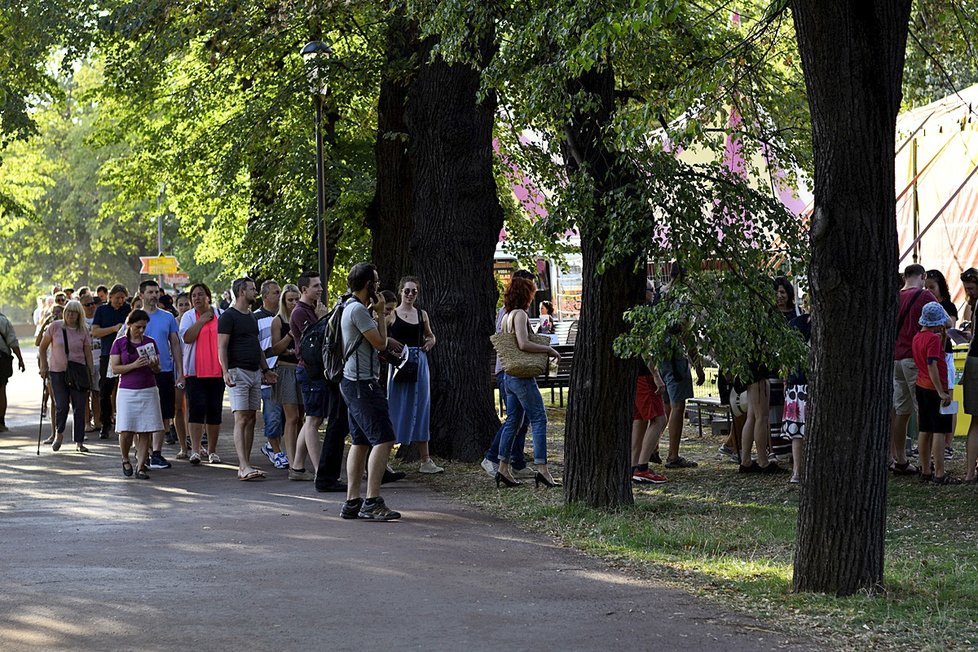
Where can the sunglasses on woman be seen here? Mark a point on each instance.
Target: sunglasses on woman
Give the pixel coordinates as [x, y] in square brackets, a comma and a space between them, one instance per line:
[409, 291]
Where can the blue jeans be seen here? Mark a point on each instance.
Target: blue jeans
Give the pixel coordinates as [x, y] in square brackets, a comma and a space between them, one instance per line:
[518, 459]
[523, 398]
[271, 414]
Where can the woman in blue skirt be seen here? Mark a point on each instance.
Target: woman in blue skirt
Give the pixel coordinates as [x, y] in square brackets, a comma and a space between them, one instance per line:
[408, 390]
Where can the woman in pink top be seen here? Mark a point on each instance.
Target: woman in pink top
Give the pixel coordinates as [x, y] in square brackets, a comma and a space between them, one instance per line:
[205, 380]
[71, 332]
[136, 360]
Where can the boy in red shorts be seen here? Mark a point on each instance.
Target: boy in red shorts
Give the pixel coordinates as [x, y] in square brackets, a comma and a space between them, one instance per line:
[648, 422]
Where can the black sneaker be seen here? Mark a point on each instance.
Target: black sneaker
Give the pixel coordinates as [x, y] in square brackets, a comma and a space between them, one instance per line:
[157, 461]
[392, 476]
[377, 511]
[334, 486]
[171, 436]
[655, 459]
[772, 467]
[754, 467]
[351, 508]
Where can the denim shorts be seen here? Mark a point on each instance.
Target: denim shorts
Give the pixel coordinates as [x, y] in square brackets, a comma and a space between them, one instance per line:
[315, 394]
[370, 419]
[678, 381]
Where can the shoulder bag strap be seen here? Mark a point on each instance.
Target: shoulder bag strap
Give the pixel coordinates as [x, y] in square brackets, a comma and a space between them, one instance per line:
[906, 311]
[64, 334]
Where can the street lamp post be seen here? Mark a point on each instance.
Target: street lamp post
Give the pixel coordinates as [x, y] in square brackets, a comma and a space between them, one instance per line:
[316, 54]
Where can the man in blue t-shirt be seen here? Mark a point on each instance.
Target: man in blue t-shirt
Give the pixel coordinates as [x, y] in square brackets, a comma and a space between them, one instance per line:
[106, 324]
[162, 327]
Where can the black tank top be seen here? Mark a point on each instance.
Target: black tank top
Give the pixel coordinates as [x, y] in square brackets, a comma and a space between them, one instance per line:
[405, 332]
[283, 331]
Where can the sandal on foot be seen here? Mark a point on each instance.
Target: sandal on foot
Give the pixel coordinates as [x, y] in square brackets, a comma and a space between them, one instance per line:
[946, 479]
[253, 474]
[127, 469]
[904, 469]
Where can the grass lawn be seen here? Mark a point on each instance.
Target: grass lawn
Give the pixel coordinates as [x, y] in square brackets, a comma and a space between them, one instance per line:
[730, 538]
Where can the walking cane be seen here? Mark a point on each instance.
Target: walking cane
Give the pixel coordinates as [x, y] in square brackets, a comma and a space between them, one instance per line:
[44, 403]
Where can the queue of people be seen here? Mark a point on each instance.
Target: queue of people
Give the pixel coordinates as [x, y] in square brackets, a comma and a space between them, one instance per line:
[151, 366]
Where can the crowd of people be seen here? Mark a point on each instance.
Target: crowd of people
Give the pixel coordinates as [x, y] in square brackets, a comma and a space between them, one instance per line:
[154, 369]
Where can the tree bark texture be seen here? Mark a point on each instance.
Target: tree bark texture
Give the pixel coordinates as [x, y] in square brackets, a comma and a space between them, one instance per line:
[602, 385]
[852, 53]
[389, 215]
[457, 220]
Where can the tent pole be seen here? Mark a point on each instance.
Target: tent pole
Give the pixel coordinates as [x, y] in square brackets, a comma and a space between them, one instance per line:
[940, 212]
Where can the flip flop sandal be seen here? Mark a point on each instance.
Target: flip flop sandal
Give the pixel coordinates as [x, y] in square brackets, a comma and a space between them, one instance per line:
[251, 475]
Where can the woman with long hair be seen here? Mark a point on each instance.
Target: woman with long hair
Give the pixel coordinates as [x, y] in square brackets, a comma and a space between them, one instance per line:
[202, 369]
[522, 394]
[135, 358]
[935, 282]
[71, 343]
[409, 396]
[286, 391]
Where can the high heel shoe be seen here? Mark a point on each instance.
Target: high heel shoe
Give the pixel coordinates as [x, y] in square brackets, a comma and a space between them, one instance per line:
[547, 482]
[502, 479]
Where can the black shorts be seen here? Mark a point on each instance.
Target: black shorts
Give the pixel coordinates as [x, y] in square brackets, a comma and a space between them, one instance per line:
[369, 414]
[929, 417]
[6, 367]
[205, 400]
[164, 382]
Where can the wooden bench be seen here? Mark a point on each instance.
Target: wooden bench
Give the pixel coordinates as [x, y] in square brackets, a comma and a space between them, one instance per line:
[561, 379]
[712, 406]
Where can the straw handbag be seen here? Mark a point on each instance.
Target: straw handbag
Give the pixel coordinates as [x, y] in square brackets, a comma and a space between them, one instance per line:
[516, 362]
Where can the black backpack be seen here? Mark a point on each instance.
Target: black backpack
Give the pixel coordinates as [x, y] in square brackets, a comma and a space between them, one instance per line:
[311, 347]
[334, 356]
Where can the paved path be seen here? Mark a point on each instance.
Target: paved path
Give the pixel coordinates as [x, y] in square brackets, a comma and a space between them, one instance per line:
[94, 561]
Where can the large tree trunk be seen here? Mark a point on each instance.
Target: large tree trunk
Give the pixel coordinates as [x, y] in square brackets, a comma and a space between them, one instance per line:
[389, 216]
[457, 220]
[602, 385]
[852, 52]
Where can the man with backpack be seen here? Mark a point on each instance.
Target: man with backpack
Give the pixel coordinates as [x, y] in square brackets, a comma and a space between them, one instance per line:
[308, 324]
[364, 336]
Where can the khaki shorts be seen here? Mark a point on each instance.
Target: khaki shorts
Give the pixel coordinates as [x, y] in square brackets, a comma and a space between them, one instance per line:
[246, 393]
[969, 383]
[904, 386]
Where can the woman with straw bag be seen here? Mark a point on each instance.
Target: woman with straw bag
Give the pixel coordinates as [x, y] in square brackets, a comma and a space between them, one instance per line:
[524, 356]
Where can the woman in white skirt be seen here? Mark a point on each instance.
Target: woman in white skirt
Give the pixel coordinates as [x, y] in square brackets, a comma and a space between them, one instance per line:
[135, 358]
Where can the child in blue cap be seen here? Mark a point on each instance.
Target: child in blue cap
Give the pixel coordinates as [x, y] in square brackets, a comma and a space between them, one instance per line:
[932, 391]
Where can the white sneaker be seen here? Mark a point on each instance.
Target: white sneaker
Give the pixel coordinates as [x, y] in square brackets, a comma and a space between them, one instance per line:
[280, 461]
[490, 467]
[430, 467]
[213, 458]
[269, 453]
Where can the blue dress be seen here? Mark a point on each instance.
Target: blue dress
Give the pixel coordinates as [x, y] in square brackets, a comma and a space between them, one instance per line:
[410, 402]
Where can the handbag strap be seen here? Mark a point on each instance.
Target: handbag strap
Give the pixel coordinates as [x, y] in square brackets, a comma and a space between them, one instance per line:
[64, 334]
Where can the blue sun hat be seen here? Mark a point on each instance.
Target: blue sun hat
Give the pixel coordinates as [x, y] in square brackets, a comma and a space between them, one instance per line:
[933, 314]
